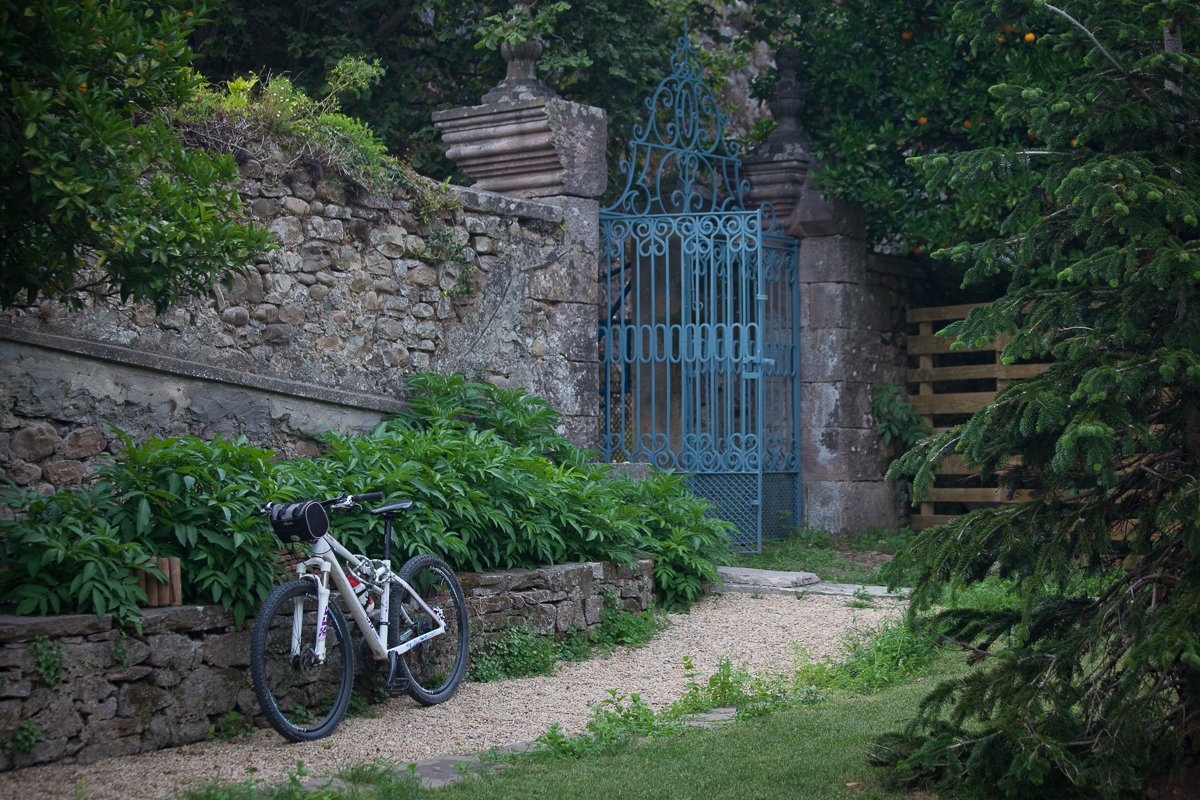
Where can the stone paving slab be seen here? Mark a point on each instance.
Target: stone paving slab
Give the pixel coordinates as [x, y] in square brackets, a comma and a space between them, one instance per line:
[765, 577]
[766, 581]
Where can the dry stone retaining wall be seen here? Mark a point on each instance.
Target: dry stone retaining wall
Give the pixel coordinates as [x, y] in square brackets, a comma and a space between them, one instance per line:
[189, 667]
[362, 290]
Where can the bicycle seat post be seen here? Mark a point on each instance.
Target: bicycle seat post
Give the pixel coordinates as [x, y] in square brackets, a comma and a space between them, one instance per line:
[387, 539]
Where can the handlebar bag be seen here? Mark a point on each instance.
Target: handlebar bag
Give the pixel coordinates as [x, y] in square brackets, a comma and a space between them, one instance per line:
[299, 522]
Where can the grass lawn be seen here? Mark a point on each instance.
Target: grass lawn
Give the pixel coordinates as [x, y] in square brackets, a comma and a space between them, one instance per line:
[853, 558]
[805, 751]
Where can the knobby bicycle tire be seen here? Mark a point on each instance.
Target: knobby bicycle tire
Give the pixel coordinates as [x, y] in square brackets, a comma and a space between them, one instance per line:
[302, 699]
[434, 668]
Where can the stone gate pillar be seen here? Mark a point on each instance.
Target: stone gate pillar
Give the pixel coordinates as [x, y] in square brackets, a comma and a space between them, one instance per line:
[849, 325]
[524, 141]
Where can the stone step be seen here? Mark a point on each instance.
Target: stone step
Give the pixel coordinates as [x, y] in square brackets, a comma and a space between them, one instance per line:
[768, 581]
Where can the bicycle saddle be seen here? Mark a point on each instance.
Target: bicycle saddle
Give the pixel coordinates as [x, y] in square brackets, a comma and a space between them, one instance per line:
[391, 508]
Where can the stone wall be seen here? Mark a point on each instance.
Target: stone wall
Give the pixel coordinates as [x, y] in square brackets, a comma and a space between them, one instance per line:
[189, 666]
[362, 290]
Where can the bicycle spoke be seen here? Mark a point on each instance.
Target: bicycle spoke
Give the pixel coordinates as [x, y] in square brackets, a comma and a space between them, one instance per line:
[303, 696]
[435, 667]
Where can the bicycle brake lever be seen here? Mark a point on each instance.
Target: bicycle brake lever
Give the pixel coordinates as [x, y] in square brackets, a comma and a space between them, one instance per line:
[344, 503]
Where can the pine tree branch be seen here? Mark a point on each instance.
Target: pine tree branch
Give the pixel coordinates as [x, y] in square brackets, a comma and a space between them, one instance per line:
[1089, 34]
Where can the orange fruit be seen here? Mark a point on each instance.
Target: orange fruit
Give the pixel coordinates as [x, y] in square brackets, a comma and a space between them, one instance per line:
[1029, 37]
[922, 120]
[967, 122]
[906, 36]
[1000, 39]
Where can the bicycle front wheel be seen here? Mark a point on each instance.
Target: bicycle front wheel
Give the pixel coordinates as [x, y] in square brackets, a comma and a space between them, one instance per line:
[302, 695]
[434, 668]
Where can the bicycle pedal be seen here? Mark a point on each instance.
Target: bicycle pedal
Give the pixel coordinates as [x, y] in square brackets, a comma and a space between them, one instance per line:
[396, 683]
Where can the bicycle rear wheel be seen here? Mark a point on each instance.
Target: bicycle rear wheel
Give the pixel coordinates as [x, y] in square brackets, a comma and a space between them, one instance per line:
[301, 696]
[434, 668]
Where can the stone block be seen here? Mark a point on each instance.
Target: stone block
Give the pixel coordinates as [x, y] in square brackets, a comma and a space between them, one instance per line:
[572, 580]
[833, 259]
[109, 748]
[287, 231]
[173, 651]
[35, 441]
[63, 473]
[815, 215]
[23, 629]
[569, 615]
[543, 619]
[177, 619]
[847, 355]
[845, 507]
[84, 442]
[843, 404]
[128, 674]
[842, 454]
[593, 607]
[539, 147]
[228, 650]
[141, 700]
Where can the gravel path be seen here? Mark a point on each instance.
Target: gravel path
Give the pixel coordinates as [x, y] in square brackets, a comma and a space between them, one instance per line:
[756, 633]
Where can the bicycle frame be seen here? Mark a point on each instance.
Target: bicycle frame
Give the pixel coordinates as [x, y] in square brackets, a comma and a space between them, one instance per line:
[324, 558]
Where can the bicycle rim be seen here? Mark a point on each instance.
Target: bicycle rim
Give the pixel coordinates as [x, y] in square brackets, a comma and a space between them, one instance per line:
[434, 668]
[301, 696]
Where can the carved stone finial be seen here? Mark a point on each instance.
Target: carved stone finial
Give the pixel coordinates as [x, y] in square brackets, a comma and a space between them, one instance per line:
[520, 80]
[786, 104]
[779, 167]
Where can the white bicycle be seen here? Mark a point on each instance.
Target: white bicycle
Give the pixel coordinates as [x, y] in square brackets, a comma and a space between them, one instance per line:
[413, 623]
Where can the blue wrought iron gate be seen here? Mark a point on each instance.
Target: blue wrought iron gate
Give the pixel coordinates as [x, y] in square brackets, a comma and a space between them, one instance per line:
[699, 355]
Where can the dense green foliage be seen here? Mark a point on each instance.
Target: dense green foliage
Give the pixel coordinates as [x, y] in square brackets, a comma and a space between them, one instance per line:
[598, 52]
[250, 115]
[1081, 689]
[100, 197]
[888, 79]
[493, 487]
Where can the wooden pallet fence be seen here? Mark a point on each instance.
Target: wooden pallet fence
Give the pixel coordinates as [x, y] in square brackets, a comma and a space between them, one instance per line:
[945, 388]
[163, 593]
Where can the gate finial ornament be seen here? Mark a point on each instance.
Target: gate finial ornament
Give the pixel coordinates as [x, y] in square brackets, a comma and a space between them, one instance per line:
[679, 159]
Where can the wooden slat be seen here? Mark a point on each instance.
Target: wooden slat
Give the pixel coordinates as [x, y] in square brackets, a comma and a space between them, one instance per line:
[969, 372]
[937, 345]
[976, 495]
[941, 313]
[955, 403]
[921, 521]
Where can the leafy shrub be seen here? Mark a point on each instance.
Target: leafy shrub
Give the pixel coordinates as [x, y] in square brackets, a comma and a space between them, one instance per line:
[188, 497]
[494, 486]
[685, 542]
[519, 653]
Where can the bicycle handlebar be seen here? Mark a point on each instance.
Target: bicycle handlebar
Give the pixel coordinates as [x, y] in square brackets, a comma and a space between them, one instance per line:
[344, 502]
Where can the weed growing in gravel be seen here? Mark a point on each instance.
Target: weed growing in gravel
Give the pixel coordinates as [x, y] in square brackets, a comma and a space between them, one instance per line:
[374, 781]
[861, 599]
[872, 659]
[618, 720]
[623, 628]
[233, 725]
[521, 652]
[751, 695]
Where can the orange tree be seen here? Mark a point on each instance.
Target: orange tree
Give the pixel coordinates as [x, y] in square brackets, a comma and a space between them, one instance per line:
[886, 80]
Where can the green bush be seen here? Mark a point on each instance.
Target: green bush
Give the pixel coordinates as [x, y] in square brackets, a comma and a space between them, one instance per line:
[493, 486]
